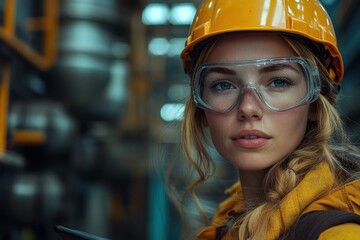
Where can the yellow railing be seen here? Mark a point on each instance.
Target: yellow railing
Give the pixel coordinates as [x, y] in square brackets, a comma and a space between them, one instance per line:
[48, 24]
[43, 60]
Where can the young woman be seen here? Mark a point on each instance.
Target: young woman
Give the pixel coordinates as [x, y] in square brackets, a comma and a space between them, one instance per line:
[264, 81]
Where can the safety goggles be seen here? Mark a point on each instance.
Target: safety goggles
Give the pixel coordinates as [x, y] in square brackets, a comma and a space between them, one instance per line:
[280, 83]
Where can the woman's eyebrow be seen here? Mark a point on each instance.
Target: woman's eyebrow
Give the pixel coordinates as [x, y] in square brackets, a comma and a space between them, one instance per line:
[221, 70]
[277, 67]
[262, 70]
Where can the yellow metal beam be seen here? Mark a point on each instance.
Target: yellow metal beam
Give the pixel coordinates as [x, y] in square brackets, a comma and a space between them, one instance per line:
[48, 24]
[10, 16]
[28, 137]
[4, 98]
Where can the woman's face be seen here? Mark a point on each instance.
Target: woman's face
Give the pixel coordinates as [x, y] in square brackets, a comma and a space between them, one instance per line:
[251, 136]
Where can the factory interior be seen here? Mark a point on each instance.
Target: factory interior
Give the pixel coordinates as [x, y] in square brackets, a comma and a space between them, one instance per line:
[91, 96]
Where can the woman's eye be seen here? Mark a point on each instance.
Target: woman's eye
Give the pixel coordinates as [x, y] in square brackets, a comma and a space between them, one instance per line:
[279, 83]
[223, 86]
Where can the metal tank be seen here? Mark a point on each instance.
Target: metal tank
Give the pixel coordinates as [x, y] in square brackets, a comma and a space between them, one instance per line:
[91, 73]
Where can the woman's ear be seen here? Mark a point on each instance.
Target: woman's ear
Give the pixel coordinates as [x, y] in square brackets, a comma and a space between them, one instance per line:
[312, 116]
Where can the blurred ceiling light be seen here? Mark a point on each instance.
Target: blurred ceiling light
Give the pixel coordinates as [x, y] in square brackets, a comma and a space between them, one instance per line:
[164, 47]
[155, 14]
[159, 46]
[172, 111]
[176, 46]
[182, 14]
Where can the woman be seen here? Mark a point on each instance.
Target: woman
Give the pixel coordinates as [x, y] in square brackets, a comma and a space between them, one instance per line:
[264, 80]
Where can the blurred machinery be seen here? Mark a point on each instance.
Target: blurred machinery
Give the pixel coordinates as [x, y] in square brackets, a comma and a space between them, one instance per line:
[64, 87]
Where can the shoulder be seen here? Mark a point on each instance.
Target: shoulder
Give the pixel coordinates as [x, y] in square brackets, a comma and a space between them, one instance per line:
[328, 224]
[349, 231]
[345, 197]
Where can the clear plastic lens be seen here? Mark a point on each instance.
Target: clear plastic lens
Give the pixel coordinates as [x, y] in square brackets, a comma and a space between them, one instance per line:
[280, 83]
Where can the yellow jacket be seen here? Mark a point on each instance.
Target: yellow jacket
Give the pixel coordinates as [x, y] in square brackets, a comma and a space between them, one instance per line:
[304, 198]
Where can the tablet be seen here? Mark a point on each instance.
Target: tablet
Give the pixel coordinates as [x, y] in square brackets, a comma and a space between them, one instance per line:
[72, 234]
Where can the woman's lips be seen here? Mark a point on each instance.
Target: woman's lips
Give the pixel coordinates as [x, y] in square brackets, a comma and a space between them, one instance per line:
[250, 139]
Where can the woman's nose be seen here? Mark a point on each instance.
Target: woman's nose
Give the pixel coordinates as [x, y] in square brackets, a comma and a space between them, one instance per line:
[249, 106]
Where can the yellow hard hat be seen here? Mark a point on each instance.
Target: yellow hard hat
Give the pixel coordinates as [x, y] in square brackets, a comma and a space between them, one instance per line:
[306, 18]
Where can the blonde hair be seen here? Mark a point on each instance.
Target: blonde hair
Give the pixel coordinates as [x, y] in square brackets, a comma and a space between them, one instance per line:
[317, 145]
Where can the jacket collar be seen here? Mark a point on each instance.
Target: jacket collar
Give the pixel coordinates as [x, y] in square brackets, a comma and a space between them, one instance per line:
[317, 182]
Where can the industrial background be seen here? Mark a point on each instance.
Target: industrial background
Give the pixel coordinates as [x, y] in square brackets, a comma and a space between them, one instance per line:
[90, 92]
